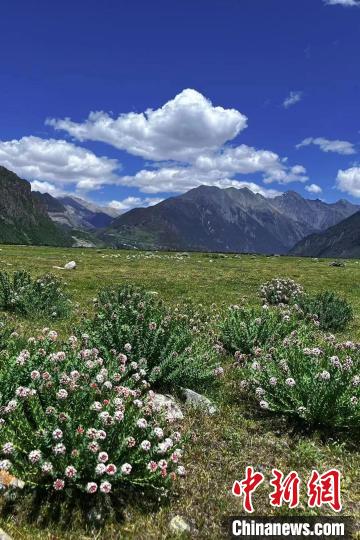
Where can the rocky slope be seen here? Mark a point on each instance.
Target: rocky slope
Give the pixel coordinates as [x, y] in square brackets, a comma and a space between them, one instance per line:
[23, 217]
[341, 240]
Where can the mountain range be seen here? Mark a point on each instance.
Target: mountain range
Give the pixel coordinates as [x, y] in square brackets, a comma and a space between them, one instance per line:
[229, 220]
[205, 218]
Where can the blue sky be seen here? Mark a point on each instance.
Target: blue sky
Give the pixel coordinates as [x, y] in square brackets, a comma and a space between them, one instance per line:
[130, 102]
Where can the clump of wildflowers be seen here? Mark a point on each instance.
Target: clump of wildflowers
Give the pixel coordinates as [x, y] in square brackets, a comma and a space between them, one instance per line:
[246, 331]
[280, 291]
[43, 296]
[319, 385]
[165, 342]
[74, 421]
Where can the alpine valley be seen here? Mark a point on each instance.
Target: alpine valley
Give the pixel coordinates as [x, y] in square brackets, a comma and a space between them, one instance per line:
[203, 219]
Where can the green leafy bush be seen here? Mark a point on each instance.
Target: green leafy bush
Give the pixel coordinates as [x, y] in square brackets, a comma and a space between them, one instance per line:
[320, 386]
[168, 339]
[75, 424]
[5, 333]
[43, 296]
[280, 291]
[244, 330]
[332, 312]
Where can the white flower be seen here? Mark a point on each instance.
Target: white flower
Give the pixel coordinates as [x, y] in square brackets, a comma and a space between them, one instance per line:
[105, 487]
[103, 457]
[127, 347]
[126, 468]
[290, 382]
[47, 467]
[8, 448]
[5, 465]
[273, 381]
[35, 375]
[181, 470]
[111, 469]
[34, 456]
[324, 376]
[59, 449]
[145, 445]
[159, 433]
[91, 487]
[96, 406]
[100, 469]
[62, 394]
[57, 434]
[264, 404]
[70, 471]
[142, 423]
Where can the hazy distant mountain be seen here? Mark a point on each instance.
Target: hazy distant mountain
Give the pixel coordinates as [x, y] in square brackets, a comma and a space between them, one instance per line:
[23, 217]
[341, 240]
[76, 213]
[212, 219]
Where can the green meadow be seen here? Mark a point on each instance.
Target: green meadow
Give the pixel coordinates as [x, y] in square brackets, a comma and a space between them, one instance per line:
[219, 446]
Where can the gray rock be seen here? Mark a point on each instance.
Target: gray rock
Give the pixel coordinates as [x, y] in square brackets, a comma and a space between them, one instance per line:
[168, 405]
[4, 536]
[178, 525]
[70, 265]
[197, 400]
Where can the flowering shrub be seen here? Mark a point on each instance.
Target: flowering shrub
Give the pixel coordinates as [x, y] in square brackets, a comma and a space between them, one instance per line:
[280, 291]
[167, 340]
[317, 385]
[244, 330]
[332, 312]
[23, 295]
[72, 422]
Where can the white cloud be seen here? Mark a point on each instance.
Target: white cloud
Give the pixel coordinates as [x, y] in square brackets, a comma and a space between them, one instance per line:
[327, 145]
[57, 163]
[174, 179]
[46, 187]
[134, 202]
[313, 188]
[182, 129]
[347, 3]
[292, 99]
[348, 180]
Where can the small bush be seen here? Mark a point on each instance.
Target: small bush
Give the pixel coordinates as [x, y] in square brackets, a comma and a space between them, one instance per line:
[332, 312]
[76, 424]
[167, 339]
[319, 386]
[43, 296]
[246, 329]
[280, 291]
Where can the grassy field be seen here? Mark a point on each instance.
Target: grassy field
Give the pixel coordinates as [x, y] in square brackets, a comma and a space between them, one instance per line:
[221, 445]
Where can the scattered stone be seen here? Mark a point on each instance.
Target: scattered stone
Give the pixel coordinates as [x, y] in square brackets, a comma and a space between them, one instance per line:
[168, 405]
[4, 536]
[178, 525]
[70, 265]
[197, 400]
[337, 263]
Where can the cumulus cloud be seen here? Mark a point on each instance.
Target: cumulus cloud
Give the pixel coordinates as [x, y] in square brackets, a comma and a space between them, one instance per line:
[348, 180]
[347, 3]
[133, 202]
[180, 130]
[174, 179]
[292, 99]
[327, 145]
[53, 163]
[313, 188]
